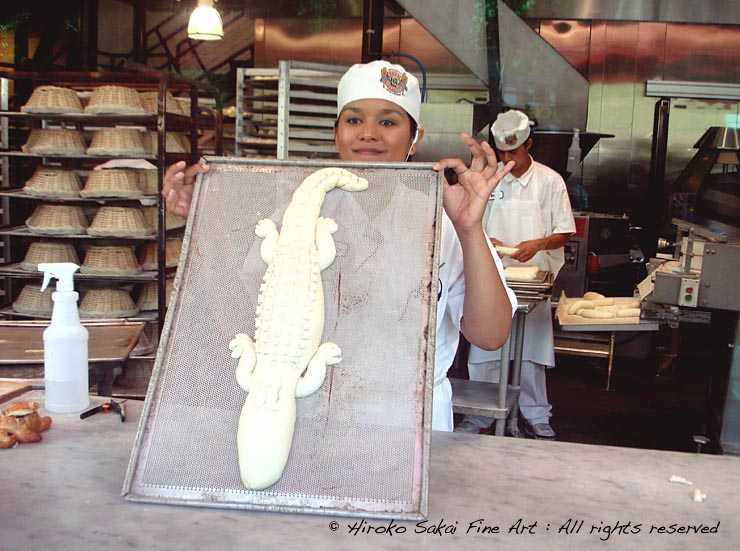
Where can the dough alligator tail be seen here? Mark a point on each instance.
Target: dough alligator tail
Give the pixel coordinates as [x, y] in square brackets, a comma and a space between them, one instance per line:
[286, 359]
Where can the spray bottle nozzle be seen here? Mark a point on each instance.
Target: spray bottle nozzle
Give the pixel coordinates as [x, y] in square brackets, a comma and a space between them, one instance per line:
[63, 272]
[574, 153]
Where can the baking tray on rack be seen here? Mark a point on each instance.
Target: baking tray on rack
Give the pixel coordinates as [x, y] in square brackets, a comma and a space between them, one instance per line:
[542, 283]
[632, 323]
[23, 344]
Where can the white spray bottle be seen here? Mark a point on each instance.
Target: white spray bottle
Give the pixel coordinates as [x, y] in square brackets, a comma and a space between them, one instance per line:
[574, 153]
[65, 344]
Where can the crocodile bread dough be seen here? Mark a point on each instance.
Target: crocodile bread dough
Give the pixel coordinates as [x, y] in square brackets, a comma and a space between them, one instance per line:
[285, 360]
[620, 306]
[602, 302]
[628, 313]
[592, 295]
[597, 314]
[580, 305]
[506, 251]
[521, 273]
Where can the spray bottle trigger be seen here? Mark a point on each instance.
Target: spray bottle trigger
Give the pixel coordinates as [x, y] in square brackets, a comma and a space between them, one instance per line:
[47, 280]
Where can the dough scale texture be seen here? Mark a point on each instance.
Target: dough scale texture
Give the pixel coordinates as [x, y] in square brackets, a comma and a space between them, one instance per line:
[286, 359]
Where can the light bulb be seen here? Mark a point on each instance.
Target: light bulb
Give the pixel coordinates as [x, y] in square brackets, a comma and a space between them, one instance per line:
[205, 22]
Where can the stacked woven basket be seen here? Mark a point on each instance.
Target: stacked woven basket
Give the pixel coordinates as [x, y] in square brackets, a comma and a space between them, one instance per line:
[107, 302]
[53, 182]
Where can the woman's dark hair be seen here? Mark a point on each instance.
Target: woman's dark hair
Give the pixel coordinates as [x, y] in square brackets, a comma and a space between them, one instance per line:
[412, 125]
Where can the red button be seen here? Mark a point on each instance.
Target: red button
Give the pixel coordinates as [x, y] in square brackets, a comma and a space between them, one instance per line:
[689, 289]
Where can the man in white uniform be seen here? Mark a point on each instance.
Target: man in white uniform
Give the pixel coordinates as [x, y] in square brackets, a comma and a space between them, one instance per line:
[530, 211]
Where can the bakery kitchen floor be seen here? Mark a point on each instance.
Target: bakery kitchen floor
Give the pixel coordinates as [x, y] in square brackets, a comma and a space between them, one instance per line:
[646, 407]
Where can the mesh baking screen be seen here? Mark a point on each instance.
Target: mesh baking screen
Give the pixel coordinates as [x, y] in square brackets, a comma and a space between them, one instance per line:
[361, 440]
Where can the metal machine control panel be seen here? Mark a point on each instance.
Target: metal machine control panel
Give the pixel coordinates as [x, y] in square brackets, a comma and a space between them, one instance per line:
[688, 292]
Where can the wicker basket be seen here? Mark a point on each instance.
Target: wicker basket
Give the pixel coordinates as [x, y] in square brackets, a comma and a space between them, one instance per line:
[50, 141]
[118, 100]
[117, 142]
[148, 296]
[174, 142]
[148, 181]
[33, 302]
[149, 101]
[107, 303]
[48, 251]
[110, 260]
[148, 256]
[119, 222]
[185, 105]
[53, 100]
[112, 182]
[172, 221]
[57, 220]
[53, 182]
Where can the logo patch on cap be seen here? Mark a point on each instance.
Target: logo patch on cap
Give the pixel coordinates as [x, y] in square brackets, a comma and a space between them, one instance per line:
[394, 81]
[510, 140]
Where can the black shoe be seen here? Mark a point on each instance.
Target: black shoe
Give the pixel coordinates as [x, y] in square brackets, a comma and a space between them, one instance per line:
[539, 431]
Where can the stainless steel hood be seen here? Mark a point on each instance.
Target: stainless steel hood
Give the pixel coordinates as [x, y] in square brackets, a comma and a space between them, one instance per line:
[713, 176]
[459, 26]
[678, 11]
[534, 76]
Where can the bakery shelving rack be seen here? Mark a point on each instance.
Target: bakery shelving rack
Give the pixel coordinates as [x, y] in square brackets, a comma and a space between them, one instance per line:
[287, 111]
[15, 124]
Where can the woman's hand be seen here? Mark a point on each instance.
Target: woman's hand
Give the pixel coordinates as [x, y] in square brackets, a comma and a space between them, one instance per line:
[465, 202]
[177, 188]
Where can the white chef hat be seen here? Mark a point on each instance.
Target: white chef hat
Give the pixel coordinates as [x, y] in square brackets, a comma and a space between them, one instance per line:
[510, 130]
[380, 80]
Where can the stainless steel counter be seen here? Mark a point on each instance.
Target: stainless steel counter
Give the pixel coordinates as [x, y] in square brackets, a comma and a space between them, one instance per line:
[498, 400]
[64, 493]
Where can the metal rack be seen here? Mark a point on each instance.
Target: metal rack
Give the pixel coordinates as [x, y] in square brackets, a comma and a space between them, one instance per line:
[163, 122]
[287, 112]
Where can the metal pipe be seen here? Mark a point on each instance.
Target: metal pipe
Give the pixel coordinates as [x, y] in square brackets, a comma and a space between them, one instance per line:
[372, 30]
[655, 203]
[500, 424]
[90, 35]
[164, 83]
[495, 100]
[140, 31]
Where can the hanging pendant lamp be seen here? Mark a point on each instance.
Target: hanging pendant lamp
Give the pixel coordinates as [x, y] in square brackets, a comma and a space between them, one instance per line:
[205, 22]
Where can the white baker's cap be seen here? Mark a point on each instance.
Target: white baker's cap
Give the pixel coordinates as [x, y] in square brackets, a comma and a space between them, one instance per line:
[510, 130]
[380, 80]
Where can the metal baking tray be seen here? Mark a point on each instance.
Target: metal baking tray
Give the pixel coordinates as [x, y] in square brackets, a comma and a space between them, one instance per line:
[361, 441]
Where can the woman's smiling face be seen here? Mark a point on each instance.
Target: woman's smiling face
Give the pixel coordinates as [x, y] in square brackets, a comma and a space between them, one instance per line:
[374, 130]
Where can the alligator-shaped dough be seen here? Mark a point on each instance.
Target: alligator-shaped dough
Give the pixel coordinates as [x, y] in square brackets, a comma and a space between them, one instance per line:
[286, 361]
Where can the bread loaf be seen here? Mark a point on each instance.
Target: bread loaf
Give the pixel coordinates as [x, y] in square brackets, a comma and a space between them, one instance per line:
[603, 302]
[581, 304]
[21, 422]
[506, 251]
[598, 314]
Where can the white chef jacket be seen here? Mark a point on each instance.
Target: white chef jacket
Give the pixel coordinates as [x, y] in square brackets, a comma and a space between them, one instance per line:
[449, 315]
[530, 206]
